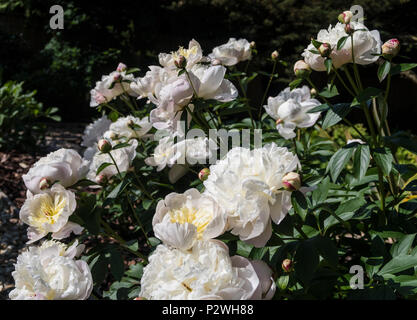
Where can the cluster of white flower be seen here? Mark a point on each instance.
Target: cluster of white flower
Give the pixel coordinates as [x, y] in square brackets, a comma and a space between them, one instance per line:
[243, 193]
[50, 272]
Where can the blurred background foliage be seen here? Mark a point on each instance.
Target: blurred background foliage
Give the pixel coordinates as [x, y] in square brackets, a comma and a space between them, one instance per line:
[63, 65]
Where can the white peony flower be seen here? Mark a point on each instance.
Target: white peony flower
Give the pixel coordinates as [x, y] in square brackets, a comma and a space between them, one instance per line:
[122, 156]
[165, 154]
[147, 86]
[232, 52]
[128, 127]
[63, 165]
[365, 44]
[248, 185]
[49, 212]
[290, 109]
[49, 272]
[267, 288]
[178, 90]
[94, 131]
[209, 83]
[193, 55]
[205, 272]
[165, 117]
[182, 219]
[111, 86]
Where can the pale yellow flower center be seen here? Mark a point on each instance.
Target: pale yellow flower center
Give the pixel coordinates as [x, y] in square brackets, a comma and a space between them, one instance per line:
[49, 209]
[198, 217]
[186, 53]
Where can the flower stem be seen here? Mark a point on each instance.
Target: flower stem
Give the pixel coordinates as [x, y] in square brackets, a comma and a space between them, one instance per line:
[267, 87]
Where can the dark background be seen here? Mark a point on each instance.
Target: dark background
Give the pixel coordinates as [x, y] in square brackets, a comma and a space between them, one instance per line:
[63, 65]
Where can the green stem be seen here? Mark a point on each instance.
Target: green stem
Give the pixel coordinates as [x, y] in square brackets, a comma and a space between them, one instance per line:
[267, 87]
[137, 218]
[117, 168]
[343, 82]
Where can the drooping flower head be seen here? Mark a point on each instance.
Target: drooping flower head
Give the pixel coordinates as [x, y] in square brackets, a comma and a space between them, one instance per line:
[290, 110]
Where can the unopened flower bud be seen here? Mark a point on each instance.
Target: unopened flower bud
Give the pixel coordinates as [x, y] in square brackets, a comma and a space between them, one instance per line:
[345, 17]
[391, 48]
[301, 69]
[101, 179]
[291, 181]
[287, 265]
[180, 62]
[349, 29]
[203, 174]
[274, 55]
[325, 49]
[44, 184]
[104, 146]
[121, 67]
[253, 44]
[313, 92]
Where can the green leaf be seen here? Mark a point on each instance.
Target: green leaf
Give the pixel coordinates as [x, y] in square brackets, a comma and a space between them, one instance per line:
[328, 63]
[243, 249]
[98, 267]
[327, 250]
[116, 264]
[316, 43]
[299, 204]
[398, 264]
[403, 246]
[146, 203]
[320, 108]
[402, 139]
[335, 115]
[341, 43]
[132, 70]
[383, 158]
[402, 67]
[282, 282]
[383, 70]
[121, 145]
[306, 261]
[294, 84]
[320, 194]
[361, 161]
[154, 241]
[338, 161]
[330, 92]
[366, 95]
[103, 166]
[118, 189]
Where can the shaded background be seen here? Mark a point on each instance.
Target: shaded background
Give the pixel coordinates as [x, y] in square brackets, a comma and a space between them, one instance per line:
[63, 65]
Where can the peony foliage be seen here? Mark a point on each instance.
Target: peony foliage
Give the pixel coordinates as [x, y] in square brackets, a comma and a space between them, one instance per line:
[165, 210]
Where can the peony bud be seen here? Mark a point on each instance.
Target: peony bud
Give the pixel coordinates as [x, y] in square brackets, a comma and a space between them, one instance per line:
[287, 265]
[203, 174]
[252, 44]
[104, 146]
[274, 55]
[325, 49]
[313, 92]
[121, 67]
[291, 181]
[349, 29]
[345, 17]
[180, 62]
[101, 179]
[44, 184]
[301, 69]
[391, 48]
